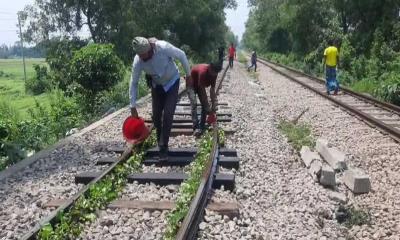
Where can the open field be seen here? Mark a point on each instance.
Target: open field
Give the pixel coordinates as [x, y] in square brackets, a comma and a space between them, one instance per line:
[12, 86]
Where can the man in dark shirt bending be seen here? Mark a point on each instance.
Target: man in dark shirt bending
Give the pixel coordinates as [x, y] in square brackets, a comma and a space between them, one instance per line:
[202, 76]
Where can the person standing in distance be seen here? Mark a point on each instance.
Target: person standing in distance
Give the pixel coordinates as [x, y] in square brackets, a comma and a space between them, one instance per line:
[331, 62]
[156, 59]
[232, 55]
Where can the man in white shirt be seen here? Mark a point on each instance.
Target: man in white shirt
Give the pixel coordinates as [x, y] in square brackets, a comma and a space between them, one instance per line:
[156, 58]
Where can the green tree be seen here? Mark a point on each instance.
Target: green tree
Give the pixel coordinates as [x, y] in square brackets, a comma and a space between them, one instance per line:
[96, 68]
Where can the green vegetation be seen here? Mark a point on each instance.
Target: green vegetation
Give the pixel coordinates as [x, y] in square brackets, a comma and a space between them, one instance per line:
[197, 25]
[221, 137]
[100, 194]
[242, 58]
[95, 84]
[357, 217]
[298, 134]
[351, 216]
[189, 187]
[296, 33]
[12, 84]
[96, 68]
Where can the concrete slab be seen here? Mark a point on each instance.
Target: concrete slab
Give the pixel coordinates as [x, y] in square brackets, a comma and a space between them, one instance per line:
[334, 157]
[357, 181]
[327, 177]
[308, 156]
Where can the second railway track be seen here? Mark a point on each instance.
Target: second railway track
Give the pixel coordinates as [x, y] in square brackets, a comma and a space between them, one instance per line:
[383, 115]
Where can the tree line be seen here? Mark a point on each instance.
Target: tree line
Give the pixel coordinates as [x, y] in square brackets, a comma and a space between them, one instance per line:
[198, 25]
[16, 51]
[366, 31]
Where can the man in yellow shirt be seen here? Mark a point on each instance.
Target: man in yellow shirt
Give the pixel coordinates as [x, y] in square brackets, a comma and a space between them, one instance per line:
[331, 61]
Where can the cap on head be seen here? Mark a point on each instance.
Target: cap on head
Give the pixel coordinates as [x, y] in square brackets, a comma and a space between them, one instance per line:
[141, 45]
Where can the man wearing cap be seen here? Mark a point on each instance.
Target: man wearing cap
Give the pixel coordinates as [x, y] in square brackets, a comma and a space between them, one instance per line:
[203, 75]
[156, 58]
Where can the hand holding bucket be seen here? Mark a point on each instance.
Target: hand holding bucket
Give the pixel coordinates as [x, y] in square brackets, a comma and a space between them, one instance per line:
[134, 130]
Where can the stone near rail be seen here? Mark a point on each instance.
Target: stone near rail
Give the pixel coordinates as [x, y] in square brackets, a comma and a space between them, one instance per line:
[327, 176]
[181, 132]
[308, 156]
[357, 181]
[338, 197]
[334, 157]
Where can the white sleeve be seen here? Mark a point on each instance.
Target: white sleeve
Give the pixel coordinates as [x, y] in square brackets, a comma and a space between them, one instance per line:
[176, 53]
[133, 86]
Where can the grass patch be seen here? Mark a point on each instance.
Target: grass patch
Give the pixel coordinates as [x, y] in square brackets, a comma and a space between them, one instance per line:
[242, 58]
[365, 86]
[351, 216]
[298, 134]
[12, 84]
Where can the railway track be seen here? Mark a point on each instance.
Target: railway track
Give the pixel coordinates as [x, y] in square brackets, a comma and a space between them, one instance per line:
[384, 116]
[178, 157]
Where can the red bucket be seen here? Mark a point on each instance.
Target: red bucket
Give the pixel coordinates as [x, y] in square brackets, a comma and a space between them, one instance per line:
[134, 130]
[211, 118]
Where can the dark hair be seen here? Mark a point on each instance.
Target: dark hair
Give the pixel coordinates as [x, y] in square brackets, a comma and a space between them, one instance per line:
[216, 67]
[331, 42]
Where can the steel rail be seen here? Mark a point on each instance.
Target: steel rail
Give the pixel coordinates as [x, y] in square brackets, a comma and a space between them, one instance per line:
[190, 224]
[393, 132]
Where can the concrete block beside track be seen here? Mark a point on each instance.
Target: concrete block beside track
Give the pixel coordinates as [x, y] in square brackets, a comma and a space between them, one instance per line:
[357, 181]
[334, 157]
[315, 169]
[327, 177]
[308, 156]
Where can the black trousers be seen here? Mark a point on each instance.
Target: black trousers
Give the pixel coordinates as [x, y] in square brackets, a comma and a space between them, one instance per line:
[231, 62]
[205, 107]
[164, 104]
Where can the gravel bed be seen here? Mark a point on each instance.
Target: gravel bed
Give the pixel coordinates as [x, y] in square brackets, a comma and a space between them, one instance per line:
[277, 196]
[366, 148]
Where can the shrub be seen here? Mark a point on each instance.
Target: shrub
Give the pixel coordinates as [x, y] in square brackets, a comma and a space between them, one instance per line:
[45, 127]
[58, 56]
[96, 68]
[40, 83]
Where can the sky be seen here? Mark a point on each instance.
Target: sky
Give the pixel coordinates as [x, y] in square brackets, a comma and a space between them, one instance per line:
[9, 19]
[235, 19]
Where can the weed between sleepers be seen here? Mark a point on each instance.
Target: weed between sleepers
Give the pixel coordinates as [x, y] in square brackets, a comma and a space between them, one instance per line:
[100, 194]
[189, 187]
